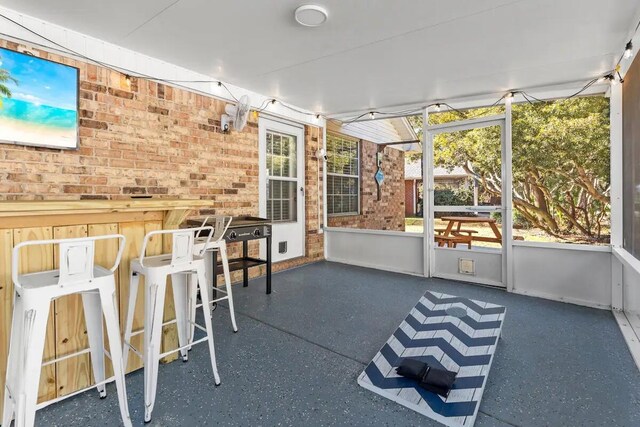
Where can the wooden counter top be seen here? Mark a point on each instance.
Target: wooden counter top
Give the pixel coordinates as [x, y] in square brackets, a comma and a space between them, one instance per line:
[64, 207]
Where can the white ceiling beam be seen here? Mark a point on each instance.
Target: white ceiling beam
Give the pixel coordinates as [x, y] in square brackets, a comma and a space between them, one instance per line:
[556, 91]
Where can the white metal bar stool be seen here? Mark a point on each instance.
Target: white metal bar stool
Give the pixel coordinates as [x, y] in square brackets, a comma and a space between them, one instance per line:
[182, 264]
[32, 299]
[210, 250]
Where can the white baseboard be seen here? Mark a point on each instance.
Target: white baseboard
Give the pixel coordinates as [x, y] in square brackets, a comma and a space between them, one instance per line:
[568, 300]
[373, 266]
[629, 334]
[469, 279]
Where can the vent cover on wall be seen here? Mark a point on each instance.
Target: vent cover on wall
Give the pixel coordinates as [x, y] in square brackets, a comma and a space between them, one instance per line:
[466, 266]
[282, 247]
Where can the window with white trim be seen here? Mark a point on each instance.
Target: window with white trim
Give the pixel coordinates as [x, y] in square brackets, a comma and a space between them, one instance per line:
[343, 175]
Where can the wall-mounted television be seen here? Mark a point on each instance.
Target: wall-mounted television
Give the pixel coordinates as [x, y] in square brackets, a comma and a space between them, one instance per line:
[38, 101]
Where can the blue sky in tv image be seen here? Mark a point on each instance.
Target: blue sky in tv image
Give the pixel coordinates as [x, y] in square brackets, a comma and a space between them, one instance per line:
[40, 82]
[40, 107]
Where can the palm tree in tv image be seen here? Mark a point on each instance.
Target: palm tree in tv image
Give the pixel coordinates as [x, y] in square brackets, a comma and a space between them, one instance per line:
[5, 77]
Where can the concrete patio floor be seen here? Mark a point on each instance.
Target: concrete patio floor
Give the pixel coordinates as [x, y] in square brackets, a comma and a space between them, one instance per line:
[298, 353]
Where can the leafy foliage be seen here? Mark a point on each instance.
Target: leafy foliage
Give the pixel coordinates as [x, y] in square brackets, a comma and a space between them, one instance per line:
[561, 161]
[4, 78]
[452, 196]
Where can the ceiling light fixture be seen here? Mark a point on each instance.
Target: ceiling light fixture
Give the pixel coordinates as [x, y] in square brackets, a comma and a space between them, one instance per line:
[311, 15]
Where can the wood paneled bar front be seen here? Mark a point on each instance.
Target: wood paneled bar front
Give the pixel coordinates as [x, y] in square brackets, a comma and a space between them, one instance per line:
[39, 220]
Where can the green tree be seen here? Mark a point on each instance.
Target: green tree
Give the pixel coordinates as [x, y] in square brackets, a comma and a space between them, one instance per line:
[4, 90]
[561, 160]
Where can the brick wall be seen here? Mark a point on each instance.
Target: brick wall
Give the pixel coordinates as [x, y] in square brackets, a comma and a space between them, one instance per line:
[410, 197]
[151, 139]
[385, 214]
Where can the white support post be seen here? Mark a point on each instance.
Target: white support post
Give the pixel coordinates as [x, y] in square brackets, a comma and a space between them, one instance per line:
[507, 199]
[427, 195]
[325, 224]
[616, 164]
[322, 212]
[617, 241]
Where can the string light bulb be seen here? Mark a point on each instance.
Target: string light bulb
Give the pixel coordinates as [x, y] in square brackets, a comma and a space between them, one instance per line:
[372, 115]
[127, 79]
[273, 101]
[628, 50]
[318, 116]
[510, 95]
[437, 108]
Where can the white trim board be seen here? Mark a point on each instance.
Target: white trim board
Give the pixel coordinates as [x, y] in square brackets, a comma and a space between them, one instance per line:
[626, 258]
[630, 331]
[568, 300]
[562, 246]
[630, 336]
[555, 91]
[372, 266]
[469, 279]
[375, 232]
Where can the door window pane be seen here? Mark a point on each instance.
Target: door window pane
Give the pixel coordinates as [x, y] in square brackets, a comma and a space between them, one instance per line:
[282, 165]
[282, 201]
[281, 155]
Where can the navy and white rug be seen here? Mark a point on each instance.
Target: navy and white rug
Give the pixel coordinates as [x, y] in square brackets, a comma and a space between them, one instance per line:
[451, 332]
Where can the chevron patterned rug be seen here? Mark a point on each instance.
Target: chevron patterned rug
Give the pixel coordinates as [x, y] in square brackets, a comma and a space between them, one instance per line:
[450, 332]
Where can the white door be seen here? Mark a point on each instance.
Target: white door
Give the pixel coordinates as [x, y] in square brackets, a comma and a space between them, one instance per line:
[484, 259]
[281, 181]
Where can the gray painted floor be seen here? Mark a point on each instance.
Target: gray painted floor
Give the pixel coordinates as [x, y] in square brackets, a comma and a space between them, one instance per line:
[299, 351]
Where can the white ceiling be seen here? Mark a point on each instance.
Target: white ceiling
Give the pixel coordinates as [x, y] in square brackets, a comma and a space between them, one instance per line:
[370, 53]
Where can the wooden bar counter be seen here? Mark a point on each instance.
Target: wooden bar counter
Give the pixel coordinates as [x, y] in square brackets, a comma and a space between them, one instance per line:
[38, 220]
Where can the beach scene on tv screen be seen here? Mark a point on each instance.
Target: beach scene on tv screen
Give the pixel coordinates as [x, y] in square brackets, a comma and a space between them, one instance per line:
[38, 101]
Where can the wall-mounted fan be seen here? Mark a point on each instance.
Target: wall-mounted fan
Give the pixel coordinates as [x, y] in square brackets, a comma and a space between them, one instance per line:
[236, 114]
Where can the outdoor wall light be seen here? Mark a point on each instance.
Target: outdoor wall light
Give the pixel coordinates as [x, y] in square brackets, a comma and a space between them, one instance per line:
[311, 15]
[628, 50]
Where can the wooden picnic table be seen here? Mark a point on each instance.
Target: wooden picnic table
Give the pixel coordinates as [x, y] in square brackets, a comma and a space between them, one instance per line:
[455, 224]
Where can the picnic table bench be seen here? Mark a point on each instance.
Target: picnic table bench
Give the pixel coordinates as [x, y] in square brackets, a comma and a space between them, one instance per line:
[455, 223]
